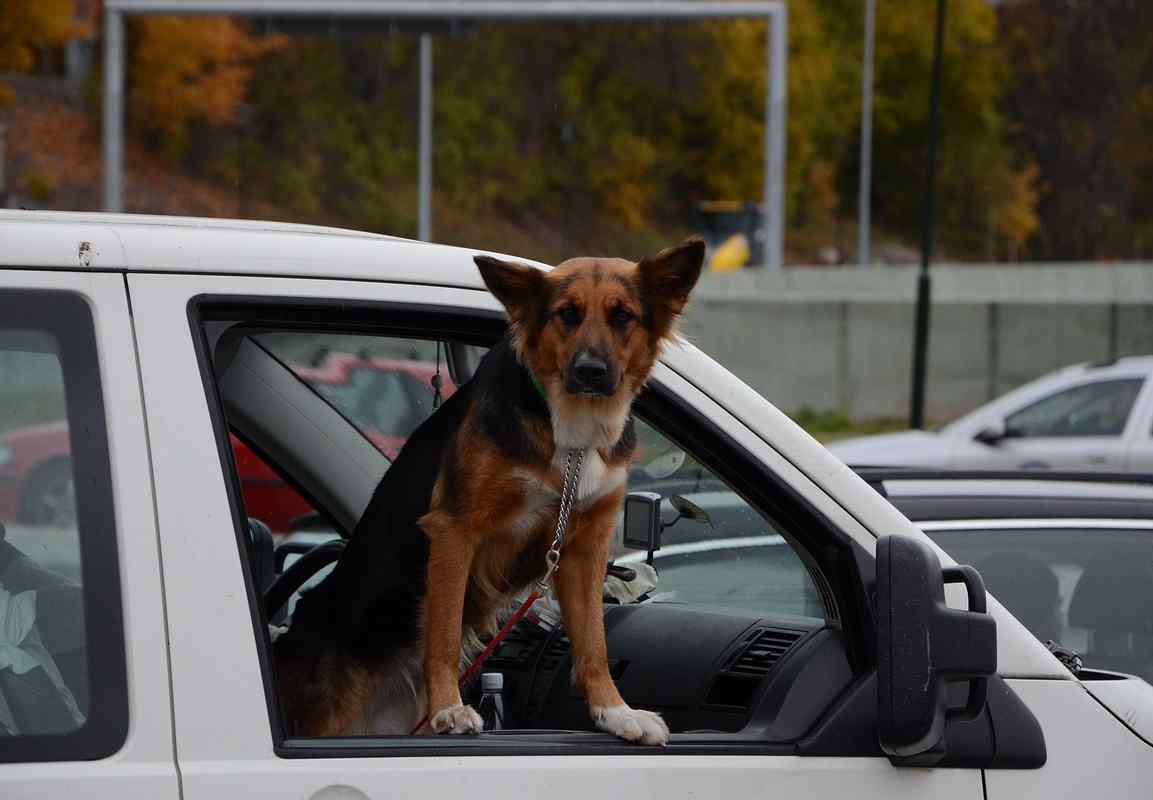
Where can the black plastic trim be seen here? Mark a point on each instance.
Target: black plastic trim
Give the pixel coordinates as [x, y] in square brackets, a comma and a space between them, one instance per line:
[1005, 736]
[68, 317]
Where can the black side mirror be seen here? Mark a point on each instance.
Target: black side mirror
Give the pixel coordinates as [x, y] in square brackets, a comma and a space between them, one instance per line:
[991, 435]
[922, 644]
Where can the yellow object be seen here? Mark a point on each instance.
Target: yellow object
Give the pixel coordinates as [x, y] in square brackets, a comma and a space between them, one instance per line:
[732, 254]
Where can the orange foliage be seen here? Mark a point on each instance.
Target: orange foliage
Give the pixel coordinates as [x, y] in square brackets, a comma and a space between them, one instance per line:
[27, 26]
[190, 68]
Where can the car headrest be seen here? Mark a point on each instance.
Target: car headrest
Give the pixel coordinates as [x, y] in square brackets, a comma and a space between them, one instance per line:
[261, 554]
[1114, 593]
[1024, 584]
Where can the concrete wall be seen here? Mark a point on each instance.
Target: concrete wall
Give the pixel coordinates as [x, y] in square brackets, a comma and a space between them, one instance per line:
[841, 339]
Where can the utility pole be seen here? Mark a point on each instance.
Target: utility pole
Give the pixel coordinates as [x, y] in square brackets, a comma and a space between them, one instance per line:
[424, 179]
[921, 323]
[865, 200]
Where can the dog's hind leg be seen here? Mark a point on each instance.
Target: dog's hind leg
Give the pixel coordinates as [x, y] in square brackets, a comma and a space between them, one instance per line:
[450, 556]
[580, 588]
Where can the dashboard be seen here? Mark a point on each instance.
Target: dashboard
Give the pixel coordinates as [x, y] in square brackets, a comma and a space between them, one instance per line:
[705, 670]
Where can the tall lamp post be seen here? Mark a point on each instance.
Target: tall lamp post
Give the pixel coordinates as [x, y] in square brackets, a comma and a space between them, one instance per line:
[921, 322]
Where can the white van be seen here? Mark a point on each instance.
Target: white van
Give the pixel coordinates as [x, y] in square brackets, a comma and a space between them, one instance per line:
[188, 381]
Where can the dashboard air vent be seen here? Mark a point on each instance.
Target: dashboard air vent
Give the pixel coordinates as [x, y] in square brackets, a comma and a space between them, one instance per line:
[763, 651]
[737, 682]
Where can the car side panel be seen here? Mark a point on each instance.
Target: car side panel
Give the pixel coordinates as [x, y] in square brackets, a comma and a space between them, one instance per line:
[1090, 752]
[224, 735]
[144, 768]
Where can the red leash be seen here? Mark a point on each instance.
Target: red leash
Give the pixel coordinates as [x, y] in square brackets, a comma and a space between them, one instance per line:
[570, 478]
[490, 648]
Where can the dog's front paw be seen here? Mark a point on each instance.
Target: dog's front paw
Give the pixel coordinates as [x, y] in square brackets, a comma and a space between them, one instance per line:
[457, 719]
[631, 724]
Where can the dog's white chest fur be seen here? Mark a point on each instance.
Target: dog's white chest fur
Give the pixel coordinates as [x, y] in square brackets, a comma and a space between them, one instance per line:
[540, 498]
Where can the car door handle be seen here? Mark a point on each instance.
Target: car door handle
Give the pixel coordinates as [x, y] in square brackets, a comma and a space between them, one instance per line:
[1098, 459]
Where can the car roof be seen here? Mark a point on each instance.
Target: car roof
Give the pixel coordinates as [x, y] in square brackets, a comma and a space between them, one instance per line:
[1122, 365]
[928, 495]
[137, 242]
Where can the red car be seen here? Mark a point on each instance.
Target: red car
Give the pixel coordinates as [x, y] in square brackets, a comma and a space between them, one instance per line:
[36, 475]
[385, 398]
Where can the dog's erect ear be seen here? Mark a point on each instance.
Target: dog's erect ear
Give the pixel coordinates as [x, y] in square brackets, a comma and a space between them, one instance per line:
[518, 287]
[667, 278]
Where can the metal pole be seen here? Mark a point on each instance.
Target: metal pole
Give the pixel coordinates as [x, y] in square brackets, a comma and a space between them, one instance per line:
[921, 331]
[424, 225]
[113, 111]
[865, 201]
[776, 85]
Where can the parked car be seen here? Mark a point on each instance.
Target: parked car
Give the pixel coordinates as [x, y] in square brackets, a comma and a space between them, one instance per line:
[36, 474]
[1071, 555]
[1085, 417]
[147, 671]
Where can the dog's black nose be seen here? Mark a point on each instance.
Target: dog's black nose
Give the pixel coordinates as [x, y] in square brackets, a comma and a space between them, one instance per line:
[590, 374]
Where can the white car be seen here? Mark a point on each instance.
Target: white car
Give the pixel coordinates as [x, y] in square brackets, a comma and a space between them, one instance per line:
[135, 652]
[1084, 417]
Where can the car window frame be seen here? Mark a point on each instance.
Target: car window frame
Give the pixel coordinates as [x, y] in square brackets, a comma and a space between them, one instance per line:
[68, 317]
[768, 494]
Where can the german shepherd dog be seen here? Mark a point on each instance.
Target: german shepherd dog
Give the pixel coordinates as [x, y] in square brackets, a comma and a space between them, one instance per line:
[461, 522]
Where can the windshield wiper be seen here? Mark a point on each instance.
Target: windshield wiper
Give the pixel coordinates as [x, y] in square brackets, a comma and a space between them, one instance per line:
[1069, 658]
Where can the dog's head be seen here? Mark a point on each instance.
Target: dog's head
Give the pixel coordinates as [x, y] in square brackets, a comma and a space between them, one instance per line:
[591, 329]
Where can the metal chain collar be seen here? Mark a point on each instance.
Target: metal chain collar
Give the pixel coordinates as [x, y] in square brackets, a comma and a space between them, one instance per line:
[570, 480]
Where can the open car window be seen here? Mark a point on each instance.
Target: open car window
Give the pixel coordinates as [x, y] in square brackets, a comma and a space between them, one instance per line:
[730, 580]
[720, 551]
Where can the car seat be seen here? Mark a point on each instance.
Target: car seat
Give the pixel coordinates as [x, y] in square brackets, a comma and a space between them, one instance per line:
[53, 696]
[1112, 601]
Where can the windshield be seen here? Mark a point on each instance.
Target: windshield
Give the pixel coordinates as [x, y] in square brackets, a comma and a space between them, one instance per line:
[1088, 589]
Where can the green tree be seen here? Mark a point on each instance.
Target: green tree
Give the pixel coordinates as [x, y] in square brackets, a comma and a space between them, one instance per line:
[1081, 106]
[983, 199]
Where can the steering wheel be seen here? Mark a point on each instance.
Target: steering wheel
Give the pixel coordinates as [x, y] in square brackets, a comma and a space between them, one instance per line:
[289, 581]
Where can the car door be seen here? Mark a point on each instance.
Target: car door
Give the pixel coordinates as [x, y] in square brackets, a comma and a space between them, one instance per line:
[1085, 427]
[84, 697]
[228, 737]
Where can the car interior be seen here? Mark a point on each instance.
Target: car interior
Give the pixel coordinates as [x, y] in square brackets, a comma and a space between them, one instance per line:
[710, 671]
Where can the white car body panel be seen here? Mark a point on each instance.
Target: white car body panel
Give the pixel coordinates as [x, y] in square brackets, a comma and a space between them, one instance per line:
[1111, 761]
[201, 703]
[143, 769]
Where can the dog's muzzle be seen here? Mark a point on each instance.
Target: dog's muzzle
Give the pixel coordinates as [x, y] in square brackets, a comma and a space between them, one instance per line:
[590, 374]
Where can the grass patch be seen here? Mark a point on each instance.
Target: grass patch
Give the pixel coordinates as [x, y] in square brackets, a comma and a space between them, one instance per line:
[828, 426]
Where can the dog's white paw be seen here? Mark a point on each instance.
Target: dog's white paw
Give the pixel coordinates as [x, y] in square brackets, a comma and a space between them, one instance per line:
[631, 724]
[457, 719]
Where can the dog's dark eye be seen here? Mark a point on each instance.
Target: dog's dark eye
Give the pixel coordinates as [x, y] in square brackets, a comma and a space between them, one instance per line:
[622, 316]
[569, 315]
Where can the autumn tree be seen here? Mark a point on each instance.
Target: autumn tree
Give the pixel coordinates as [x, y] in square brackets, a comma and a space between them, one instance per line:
[30, 27]
[189, 69]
